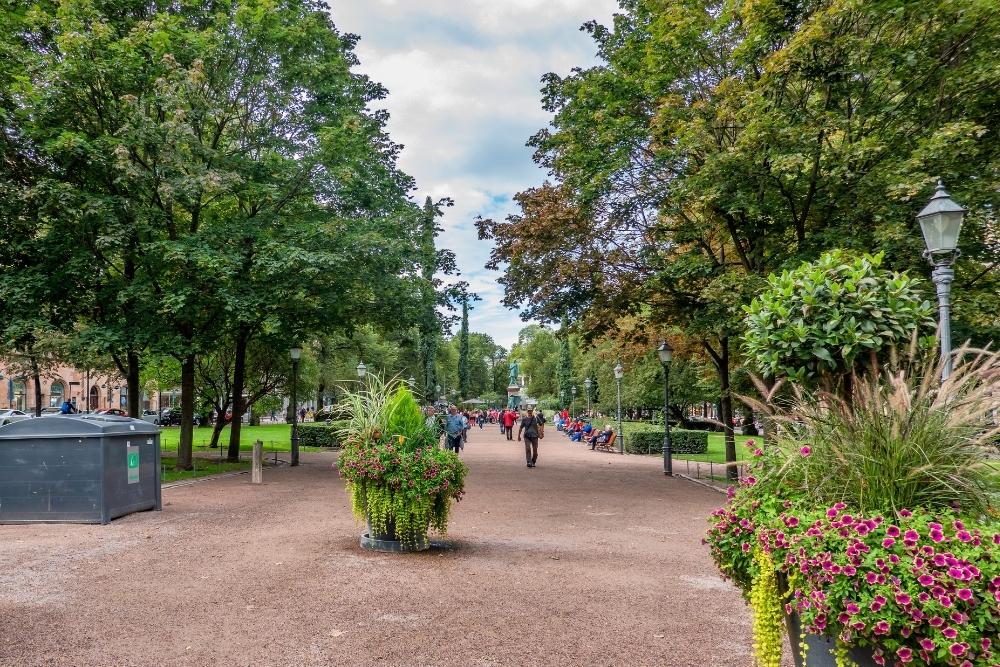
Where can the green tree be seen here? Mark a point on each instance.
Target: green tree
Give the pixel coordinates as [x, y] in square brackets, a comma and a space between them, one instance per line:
[718, 142]
[833, 318]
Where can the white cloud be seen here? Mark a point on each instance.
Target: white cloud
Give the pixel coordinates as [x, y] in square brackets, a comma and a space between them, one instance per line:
[463, 79]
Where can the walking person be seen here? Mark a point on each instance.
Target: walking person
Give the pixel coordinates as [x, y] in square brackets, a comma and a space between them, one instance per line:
[454, 430]
[532, 431]
[509, 417]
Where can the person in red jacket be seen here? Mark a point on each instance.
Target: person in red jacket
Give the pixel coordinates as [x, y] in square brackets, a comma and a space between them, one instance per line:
[509, 417]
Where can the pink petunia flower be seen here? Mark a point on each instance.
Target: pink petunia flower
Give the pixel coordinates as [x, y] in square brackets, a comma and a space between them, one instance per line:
[904, 654]
[964, 594]
[957, 649]
[805, 451]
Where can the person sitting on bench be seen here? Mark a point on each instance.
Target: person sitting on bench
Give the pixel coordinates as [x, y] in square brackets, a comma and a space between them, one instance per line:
[602, 437]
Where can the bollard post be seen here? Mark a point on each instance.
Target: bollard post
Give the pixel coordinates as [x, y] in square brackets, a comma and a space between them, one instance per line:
[257, 468]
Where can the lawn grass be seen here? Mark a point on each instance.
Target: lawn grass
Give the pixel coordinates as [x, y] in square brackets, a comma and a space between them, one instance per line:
[203, 468]
[276, 438]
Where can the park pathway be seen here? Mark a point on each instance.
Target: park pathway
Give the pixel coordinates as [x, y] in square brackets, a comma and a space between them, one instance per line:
[589, 559]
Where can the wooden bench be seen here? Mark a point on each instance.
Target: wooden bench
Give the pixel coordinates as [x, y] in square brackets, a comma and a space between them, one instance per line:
[608, 446]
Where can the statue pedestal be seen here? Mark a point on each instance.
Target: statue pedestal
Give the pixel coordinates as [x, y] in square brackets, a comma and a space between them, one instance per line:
[513, 397]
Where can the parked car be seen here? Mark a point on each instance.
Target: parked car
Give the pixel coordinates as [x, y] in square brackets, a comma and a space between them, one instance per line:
[151, 416]
[113, 411]
[172, 417]
[51, 411]
[8, 416]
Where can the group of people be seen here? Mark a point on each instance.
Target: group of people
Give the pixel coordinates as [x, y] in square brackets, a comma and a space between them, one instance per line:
[455, 426]
[580, 430]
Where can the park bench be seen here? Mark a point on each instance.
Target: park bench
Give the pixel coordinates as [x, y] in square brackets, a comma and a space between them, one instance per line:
[608, 446]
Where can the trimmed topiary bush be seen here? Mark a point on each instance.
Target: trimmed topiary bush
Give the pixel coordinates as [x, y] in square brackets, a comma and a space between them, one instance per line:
[681, 442]
[318, 436]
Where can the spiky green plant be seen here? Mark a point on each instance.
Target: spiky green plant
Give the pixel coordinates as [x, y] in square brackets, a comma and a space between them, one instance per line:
[902, 439]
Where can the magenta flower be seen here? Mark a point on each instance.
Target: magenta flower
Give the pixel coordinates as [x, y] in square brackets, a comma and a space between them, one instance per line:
[892, 531]
[881, 628]
[852, 608]
[871, 578]
[986, 643]
[805, 451]
[945, 601]
[911, 535]
[964, 594]
[904, 654]
[936, 621]
[902, 599]
[927, 644]
[905, 513]
[888, 542]
[925, 580]
[964, 536]
[950, 633]
[957, 649]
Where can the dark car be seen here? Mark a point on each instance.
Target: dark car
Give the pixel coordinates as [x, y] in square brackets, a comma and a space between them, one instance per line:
[170, 417]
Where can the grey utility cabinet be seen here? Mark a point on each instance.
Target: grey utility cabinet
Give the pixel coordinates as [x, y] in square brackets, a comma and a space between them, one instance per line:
[78, 468]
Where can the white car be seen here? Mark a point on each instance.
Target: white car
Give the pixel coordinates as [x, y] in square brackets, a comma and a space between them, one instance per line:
[151, 416]
[8, 416]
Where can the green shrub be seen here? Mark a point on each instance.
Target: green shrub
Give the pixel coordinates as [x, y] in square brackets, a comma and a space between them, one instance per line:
[681, 442]
[318, 436]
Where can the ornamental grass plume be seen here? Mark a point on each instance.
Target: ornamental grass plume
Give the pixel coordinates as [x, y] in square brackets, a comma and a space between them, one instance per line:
[900, 439]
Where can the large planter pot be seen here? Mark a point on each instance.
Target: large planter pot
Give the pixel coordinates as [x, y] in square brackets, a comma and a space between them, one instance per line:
[389, 541]
[820, 648]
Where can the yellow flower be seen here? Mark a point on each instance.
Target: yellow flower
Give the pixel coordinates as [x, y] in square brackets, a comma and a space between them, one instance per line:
[402, 439]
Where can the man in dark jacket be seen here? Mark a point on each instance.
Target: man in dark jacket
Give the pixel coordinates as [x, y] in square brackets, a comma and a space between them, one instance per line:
[532, 429]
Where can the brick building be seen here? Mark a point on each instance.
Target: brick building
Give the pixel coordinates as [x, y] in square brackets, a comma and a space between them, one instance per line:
[88, 391]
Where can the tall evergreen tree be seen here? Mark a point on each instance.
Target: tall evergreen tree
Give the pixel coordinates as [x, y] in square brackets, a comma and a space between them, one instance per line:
[463, 351]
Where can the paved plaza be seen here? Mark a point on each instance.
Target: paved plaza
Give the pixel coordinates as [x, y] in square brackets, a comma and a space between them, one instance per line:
[589, 559]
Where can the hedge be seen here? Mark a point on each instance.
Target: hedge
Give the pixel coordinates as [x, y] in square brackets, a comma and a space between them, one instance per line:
[318, 436]
[681, 442]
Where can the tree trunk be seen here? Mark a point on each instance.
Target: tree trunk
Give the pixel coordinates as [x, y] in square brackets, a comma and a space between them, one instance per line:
[132, 382]
[185, 446]
[239, 405]
[220, 424]
[727, 411]
[36, 380]
[320, 393]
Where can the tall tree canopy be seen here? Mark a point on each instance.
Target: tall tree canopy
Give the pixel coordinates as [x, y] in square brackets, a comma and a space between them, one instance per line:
[718, 141]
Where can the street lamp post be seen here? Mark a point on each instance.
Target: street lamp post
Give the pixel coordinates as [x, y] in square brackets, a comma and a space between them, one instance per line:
[666, 355]
[587, 384]
[941, 223]
[362, 371]
[619, 373]
[295, 353]
[572, 405]
[437, 390]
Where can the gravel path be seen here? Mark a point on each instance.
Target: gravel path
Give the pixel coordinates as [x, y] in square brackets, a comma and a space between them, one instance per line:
[588, 559]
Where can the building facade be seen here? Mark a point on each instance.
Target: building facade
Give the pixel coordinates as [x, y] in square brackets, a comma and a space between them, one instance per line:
[89, 392]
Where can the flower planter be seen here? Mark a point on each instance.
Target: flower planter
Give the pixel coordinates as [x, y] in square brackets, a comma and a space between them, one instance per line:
[389, 541]
[820, 648]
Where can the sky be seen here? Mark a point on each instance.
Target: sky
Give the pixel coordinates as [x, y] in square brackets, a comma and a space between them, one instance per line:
[464, 79]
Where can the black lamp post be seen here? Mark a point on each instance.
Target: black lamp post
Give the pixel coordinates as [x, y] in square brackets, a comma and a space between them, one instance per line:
[619, 373]
[666, 355]
[362, 371]
[295, 353]
[941, 223]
